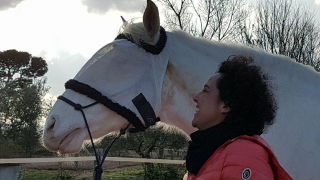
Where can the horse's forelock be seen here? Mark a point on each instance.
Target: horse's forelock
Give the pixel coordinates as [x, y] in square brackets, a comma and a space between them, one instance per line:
[138, 33]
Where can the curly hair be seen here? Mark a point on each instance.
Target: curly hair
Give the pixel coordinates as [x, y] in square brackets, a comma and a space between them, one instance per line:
[247, 91]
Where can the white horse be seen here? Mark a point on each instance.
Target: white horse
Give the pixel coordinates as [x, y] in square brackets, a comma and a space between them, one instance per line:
[121, 70]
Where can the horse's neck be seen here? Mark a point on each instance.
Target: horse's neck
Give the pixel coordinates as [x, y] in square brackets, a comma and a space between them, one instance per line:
[186, 74]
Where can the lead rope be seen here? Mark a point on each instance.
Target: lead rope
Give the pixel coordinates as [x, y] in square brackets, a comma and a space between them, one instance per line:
[98, 169]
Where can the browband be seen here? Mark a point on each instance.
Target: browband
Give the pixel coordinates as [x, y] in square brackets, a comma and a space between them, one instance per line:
[154, 49]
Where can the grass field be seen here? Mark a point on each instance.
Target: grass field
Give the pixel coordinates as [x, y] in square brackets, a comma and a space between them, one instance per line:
[130, 173]
[123, 174]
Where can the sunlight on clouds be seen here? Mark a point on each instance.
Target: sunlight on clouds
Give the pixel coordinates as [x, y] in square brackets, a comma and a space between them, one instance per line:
[49, 96]
[7, 4]
[55, 25]
[62, 32]
[58, 30]
[317, 2]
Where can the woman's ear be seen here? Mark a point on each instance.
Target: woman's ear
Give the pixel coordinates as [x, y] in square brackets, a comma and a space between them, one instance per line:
[225, 109]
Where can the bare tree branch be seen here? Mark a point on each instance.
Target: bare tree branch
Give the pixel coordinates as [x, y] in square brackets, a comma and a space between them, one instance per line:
[283, 28]
[214, 19]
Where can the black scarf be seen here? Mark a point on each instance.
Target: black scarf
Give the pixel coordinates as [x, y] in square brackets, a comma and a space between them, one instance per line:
[204, 143]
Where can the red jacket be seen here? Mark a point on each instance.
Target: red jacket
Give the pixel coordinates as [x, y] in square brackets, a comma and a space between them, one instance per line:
[245, 157]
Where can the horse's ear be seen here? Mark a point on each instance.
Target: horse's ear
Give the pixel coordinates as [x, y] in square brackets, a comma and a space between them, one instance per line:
[123, 20]
[151, 19]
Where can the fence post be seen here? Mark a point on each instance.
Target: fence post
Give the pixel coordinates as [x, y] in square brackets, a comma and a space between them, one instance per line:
[76, 165]
[10, 172]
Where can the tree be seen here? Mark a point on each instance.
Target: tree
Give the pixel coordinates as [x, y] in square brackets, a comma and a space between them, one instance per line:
[211, 19]
[151, 140]
[154, 139]
[20, 67]
[280, 27]
[21, 92]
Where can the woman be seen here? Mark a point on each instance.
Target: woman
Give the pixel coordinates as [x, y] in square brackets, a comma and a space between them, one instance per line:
[234, 108]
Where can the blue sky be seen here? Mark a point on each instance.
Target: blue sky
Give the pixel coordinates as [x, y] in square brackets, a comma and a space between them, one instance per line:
[66, 33]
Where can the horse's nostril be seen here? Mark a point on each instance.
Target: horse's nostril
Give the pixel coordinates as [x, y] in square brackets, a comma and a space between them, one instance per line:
[51, 122]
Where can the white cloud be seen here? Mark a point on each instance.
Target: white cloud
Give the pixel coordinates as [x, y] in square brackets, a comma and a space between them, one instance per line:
[51, 25]
[103, 6]
[6, 4]
[58, 31]
[317, 2]
[65, 67]
[62, 32]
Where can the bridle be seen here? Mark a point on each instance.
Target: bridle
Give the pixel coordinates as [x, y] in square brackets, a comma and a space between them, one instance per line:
[139, 101]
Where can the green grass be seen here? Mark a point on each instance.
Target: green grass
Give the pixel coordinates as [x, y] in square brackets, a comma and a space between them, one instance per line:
[33, 174]
[123, 174]
[130, 173]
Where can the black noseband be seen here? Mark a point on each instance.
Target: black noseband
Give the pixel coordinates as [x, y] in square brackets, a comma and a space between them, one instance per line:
[97, 96]
[140, 102]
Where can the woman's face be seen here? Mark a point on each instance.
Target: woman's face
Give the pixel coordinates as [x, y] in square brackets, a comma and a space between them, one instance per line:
[210, 110]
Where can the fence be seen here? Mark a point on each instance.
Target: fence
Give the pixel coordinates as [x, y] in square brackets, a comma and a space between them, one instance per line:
[89, 158]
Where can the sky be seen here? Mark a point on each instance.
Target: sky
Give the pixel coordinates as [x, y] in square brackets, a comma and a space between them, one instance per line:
[66, 33]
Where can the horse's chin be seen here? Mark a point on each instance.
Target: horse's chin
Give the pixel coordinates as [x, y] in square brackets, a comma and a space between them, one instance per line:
[72, 143]
[69, 149]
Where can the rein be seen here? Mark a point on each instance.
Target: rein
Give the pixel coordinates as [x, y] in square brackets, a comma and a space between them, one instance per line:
[139, 101]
